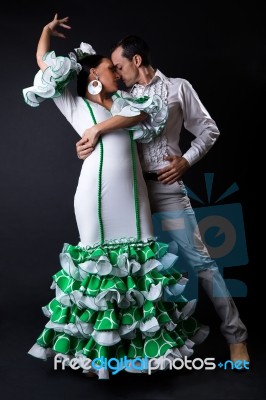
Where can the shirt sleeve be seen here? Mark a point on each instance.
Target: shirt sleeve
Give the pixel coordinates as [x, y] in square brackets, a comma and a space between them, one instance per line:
[126, 105]
[198, 121]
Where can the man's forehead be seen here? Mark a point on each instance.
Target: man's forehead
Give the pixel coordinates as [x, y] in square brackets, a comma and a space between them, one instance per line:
[117, 53]
[118, 58]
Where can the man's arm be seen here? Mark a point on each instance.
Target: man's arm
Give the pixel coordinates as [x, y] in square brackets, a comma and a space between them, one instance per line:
[198, 121]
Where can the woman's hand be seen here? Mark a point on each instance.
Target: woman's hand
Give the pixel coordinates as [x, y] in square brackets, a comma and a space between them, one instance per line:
[53, 25]
[44, 41]
[91, 135]
[85, 146]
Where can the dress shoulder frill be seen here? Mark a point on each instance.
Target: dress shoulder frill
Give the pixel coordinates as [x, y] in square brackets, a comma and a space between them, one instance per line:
[50, 83]
[126, 105]
[61, 70]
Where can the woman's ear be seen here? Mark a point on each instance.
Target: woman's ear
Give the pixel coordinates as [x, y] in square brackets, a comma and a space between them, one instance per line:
[93, 73]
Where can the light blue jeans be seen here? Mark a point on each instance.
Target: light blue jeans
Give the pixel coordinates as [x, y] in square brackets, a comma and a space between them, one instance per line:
[175, 222]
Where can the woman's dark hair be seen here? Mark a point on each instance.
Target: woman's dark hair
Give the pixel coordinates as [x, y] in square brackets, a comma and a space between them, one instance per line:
[133, 45]
[91, 61]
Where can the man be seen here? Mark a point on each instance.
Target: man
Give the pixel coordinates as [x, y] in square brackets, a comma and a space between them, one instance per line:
[163, 167]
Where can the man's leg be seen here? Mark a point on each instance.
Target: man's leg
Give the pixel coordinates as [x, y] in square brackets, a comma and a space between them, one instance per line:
[232, 328]
[175, 216]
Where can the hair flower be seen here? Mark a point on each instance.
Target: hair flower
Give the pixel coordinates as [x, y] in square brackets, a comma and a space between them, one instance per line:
[84, 50]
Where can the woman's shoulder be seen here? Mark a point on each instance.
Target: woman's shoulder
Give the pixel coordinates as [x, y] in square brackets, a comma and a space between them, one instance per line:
[121, 94]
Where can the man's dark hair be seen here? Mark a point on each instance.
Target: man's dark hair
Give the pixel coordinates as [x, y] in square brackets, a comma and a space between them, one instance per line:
[133, 45]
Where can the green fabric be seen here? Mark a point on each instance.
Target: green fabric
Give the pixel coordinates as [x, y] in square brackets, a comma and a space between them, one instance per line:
[130, 315]
[65, 282]
[161, 314]
[139, 100]
[138, 251]
[107, 320]
[76, 325]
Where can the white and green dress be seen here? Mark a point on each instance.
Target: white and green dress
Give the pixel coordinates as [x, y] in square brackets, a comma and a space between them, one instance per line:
[116, 294]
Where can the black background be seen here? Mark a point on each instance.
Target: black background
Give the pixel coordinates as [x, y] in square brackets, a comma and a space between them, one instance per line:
[219, 47]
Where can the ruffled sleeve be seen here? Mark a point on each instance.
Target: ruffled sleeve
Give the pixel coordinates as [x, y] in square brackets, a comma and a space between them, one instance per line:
[127, 106]
[51, 82]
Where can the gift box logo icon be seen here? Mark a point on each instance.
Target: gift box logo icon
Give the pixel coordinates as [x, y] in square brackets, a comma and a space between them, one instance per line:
[222, 230]
[221, 227]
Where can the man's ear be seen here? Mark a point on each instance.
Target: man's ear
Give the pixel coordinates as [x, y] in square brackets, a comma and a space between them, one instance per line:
[137, 60]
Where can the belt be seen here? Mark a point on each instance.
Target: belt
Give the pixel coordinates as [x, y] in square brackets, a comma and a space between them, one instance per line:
[150, 176]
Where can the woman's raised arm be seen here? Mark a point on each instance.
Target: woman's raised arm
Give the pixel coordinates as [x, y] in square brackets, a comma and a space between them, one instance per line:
[44, 42]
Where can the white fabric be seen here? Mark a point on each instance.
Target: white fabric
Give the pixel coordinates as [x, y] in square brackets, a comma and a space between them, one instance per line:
[46, 84]
[118, 207]
[184, 106]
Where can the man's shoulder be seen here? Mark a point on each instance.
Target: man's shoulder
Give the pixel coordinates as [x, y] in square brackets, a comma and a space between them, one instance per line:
[178, 81]
[171, 80]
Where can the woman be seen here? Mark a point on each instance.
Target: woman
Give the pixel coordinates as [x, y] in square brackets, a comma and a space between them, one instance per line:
[115, 295]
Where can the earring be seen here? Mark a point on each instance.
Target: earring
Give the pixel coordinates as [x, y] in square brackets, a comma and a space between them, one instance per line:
[95, 86]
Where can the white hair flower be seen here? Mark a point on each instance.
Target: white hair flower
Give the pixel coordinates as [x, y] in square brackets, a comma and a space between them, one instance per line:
[84, 49]
[87, 48]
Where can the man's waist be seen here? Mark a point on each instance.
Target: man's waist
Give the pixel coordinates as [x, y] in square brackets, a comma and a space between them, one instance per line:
[150, 176]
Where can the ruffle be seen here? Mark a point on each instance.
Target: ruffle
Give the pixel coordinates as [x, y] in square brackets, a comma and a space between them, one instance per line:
[98, 313]
[126, 105]
[160, 347]
[61, 70]
[51, 82]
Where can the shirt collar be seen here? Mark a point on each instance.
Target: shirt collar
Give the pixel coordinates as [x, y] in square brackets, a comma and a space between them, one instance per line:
[157, 77]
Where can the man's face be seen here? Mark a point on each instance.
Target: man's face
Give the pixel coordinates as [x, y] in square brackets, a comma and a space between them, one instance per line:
[127, 69]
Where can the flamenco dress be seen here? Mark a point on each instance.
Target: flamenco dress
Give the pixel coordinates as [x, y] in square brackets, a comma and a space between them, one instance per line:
[117, 294]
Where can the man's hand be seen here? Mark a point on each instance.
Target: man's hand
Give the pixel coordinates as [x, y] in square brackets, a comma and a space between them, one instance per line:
[84, 149]
[174, 171]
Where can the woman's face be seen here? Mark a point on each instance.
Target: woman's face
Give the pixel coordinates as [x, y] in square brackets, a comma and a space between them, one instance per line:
[107, 75]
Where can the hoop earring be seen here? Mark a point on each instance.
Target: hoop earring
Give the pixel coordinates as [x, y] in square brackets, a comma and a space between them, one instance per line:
[95, 87]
